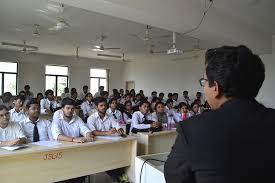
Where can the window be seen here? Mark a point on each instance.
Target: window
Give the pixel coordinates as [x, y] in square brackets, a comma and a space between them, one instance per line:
[8, 77]
[98, 77]
[56, 78]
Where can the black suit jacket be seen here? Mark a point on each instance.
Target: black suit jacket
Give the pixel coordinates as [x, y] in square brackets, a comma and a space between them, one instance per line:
[234, 144]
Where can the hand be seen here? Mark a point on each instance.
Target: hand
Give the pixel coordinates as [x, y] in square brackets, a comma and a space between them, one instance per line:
[12, 142]
[120, 131]
[155, 124]
[90, 138]
[111, 131]
[48, 111]
[80, 140]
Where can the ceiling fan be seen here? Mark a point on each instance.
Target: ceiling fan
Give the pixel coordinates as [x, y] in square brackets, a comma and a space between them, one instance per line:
[101, 47]
[122, 57]
[25, 48]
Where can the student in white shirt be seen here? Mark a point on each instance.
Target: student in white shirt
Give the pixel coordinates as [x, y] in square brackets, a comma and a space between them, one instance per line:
[82, 94]
[49, 104]
[100, 123]
[11, 133]
[186, 98]
[29, 94]
[175, 99]
[66, 93]
[18, 114]
[34, 128]
[173, 116]
[161, 97]
[113, 111]
[153, 95]
[142, 120]
[87, 105]
[127, 115]
[98, 94]
[153, 103]
[69, 127]
[195, 109]
[160, 114]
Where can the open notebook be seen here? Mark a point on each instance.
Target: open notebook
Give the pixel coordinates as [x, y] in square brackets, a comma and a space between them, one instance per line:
[14, 147]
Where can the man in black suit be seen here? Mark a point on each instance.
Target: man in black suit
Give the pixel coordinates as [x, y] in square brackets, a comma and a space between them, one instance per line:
[235, 142]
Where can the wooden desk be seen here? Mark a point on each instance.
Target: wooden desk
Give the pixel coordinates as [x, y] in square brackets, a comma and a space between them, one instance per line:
[157, 142]
[66, 161]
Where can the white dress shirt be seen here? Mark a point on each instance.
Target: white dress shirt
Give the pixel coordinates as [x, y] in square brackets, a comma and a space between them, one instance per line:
[45, 104]
[11, 132]
[173, 116]
[43, 126]
[87, 108]
[95, 123]
[81, 96]
[175, 103]
[117, 115]
[65, 95]
[138, 118]
[74, 128]
[97, 94]
[17, 116]
[126, 119]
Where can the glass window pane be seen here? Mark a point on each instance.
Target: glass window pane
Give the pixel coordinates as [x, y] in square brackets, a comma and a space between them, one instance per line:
[103, 82]
[61, 84]
[10, 83]
[98, 73]
[57, 70]
[94, 84]
[0, 84]
[8, 67]
[50, 83]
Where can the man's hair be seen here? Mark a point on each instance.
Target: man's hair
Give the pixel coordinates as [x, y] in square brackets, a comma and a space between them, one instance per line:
[39, 94]
[68, 101]
[161, 94]
[19, 97]
[104, 93]
[48, 92]
[158, 103]
[32, 102]
[143, 102]
[98, 100]
[169, 101]
[175, 94]
[170, 94]
[85, 87]
[27, 86]
[154, 92]
[111, 100]
[238, 72]
[155, 99]
[185, 91]
[2, 107]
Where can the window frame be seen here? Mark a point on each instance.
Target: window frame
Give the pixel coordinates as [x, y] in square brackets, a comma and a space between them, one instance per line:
[107, 77]
[3, 78]
[56, 77]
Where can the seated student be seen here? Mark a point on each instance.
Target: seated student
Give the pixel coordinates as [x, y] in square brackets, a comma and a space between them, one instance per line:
[18, 114]
[186, 98]
[175, 99]
[121, 92]
[113, 111]
[104, 94]
[29, 94]
[7, 100]
[39, 97]
[195, 109]
[153, 95]
[160, 114]
[74, 97]
[142, 120]
[82, 94]
[161, 97]
[184, 111]
[49, 104]
[87, 105]
[100, 123]
[68, 126]
[98, 94]
[11, 132]
[153, 103]
[35, 129]
[66, 93]
[173, 117]
[127, 115]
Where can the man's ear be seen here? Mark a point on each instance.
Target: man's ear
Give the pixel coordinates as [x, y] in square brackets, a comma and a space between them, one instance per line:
[216, 90]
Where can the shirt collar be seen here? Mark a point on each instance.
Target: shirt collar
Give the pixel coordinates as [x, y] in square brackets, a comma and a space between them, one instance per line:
[72, 120]
[105, 117]
[29, 121]
[14, 111]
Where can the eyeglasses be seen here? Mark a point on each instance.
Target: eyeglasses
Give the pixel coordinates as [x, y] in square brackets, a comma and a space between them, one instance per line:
[203, 81]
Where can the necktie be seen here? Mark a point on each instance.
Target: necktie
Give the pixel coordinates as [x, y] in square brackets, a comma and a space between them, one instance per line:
[51, 107]
[114, 116]
[35, 133]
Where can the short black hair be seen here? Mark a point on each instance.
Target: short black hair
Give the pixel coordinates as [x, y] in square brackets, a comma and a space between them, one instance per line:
[199, 93]
[2, 107]
[175, 94]
[27, 86]
[185, 91]
[126, 102]
[32, 102]
[169, 101]
[161, 94]
[104, 93]
[68, 101]
[87, 94]
[20, 97]
[194, 103]
[238, 72]
[98, 100]
[158, 103]
[143, 102]
[154, 92]
[39, 94]
[111, 100]
[182, 104]
[154, 99]
[170, 94]
[73, 90]
[85, 87]
[47, 92]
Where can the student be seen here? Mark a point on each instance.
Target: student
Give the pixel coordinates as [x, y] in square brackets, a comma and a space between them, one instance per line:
[153, 103]
[35, 129]
[82, 94]
[121, 92]
[127, 115]
[11, 133]
[199, 97]
[186, 98]
[153, 95]
[39, 97]
[175, 99]
[7, 100]
[68, 126]
[74, 97]
[173, 117]
[18, 114]
[161, 97]
[87, 106]
[104, 94]
[113, 111]
[49, 104]
[100, 89]
[160, 114]
[195, 109]
[100, 123]
[184, 111]
[170, 96]
[66, 93]
[29, 94]
[142, 120]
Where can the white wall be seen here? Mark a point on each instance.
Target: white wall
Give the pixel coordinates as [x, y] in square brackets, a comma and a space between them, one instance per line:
[31, 69]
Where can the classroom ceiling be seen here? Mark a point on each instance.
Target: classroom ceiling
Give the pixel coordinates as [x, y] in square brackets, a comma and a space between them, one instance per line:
[234, 22]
